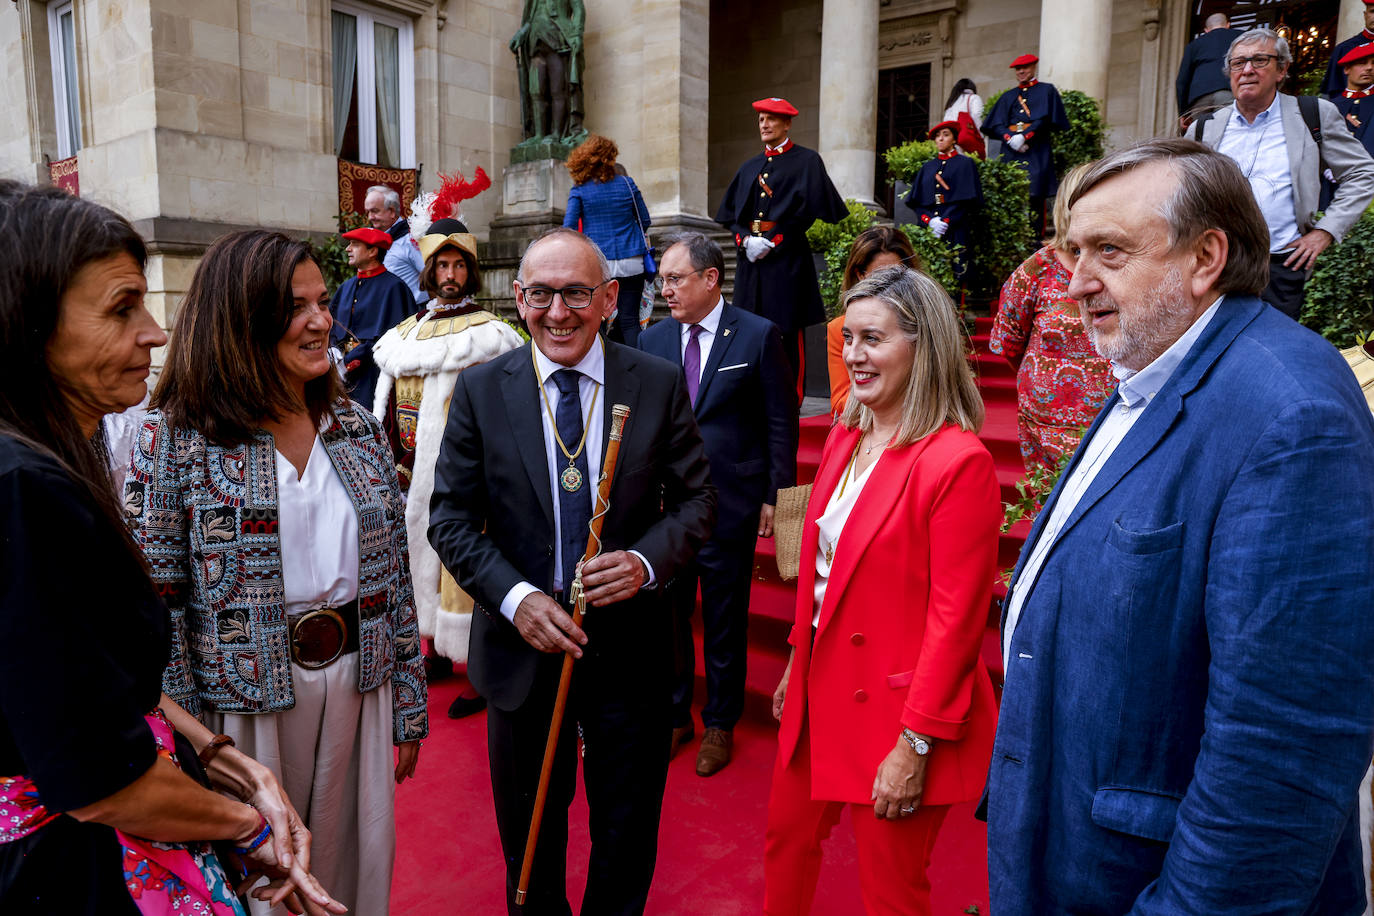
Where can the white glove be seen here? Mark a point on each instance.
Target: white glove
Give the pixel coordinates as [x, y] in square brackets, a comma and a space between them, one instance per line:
[756, 246]
[1017, 142]
[939, 226]
[1329, 175]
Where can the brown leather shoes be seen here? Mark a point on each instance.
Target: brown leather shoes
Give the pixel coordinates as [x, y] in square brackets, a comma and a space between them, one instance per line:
[681, 735]
[715, 751]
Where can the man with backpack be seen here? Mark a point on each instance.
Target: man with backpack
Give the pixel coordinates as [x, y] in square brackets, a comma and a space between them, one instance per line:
[1283, 146]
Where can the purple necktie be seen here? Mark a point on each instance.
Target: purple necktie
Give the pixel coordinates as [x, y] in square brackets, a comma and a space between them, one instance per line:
[691, 362]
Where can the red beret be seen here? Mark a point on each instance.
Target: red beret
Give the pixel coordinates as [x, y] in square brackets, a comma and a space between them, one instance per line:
[776, 106]
[369, 236]
[1359, 52]
[1025, 60]
[951, 126]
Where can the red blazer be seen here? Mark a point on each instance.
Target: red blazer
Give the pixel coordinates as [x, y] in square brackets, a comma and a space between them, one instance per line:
[902, 623]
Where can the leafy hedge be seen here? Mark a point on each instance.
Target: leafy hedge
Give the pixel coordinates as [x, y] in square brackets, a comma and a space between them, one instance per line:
[1000, 236]
[1339, 300]
[833, 241]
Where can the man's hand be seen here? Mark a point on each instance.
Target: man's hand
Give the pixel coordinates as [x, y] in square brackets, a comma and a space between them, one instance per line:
[1017, 142]
[939, 226]
[612, 577]
[547, 627]
[1306, 249]
[766, 522]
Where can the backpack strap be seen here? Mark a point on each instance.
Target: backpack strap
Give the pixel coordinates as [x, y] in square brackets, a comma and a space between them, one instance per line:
[1197, 125]
[1311, 116]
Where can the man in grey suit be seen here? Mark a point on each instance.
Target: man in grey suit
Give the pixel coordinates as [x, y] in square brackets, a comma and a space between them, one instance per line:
[1267, 136]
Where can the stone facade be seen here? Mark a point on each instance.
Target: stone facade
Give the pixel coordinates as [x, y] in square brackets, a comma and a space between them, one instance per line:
[198, 116]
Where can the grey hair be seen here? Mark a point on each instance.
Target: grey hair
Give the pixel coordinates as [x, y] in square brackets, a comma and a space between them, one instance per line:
[563, 232]
[390, 199]
[1212, 194]
[702, 251]
[1255, 36]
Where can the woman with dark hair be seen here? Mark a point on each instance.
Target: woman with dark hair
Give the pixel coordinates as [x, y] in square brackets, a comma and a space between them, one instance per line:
[268, 508]
[100, 810]
[964, 98]
[607, 208]
[873, 249]
[885, 704]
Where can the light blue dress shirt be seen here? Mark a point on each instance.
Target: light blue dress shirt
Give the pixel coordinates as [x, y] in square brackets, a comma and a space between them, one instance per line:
[1261, 151]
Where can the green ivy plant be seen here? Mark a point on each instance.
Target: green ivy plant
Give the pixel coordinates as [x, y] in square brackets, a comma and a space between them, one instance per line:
[1339, 300]
[833, 241]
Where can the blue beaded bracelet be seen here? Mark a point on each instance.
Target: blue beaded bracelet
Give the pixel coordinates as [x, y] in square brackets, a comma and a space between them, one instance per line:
[258, 840]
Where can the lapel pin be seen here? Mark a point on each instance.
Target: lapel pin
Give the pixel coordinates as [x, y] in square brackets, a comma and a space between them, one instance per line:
[726, 333]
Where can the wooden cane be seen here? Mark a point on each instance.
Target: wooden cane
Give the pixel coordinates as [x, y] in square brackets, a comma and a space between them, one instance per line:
[619, 414]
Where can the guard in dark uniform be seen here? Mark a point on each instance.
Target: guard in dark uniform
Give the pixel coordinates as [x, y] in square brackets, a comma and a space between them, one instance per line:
[773, 200]
[1024, 119]
[364, 307]
[946, 193]
[1335, 74]
[1356, 101]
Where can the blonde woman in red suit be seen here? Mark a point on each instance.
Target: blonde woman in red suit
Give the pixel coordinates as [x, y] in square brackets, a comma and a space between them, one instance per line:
[885, 704]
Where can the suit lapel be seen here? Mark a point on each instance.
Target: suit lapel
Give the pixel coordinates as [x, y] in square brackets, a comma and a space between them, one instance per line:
[1293, 129]
[520, 391]
[622, 387]
[726, 332]
[881, 494]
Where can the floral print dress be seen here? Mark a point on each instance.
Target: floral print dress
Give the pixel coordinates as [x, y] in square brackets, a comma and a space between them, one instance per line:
[1062, 382]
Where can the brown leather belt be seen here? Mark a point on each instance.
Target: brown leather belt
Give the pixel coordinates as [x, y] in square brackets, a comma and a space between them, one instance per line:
[320, 636]
[760, 225]
[1019, 126]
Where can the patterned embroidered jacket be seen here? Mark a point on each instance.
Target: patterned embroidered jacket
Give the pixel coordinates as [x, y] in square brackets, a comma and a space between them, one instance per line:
[206, 519]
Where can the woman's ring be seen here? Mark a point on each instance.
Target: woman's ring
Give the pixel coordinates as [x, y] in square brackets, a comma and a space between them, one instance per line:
[910, 810]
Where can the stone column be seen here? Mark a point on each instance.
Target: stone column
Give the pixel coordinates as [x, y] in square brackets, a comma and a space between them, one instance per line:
[676, 61]
[1350, 21]
[1075, 45]
[848, 116]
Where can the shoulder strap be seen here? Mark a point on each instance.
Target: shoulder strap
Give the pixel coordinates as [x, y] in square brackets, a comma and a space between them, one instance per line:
[1197, 125]
[1307, 105]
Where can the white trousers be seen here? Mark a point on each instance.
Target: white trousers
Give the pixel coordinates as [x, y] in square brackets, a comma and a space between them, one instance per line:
[333, 755]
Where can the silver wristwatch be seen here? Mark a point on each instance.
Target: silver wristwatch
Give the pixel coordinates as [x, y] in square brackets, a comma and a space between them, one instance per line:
[918, 744]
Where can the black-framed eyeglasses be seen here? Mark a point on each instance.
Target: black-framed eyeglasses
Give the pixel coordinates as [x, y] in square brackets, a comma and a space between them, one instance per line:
[1258, 61]
[671, 280]
[574, 297]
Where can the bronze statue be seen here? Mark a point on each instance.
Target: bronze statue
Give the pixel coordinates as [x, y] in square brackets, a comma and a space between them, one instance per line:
[548, 50]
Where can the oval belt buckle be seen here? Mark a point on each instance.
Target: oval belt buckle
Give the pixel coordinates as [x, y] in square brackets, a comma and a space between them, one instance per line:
[319, 631]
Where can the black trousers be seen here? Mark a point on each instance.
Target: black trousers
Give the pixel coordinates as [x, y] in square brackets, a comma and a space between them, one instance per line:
[725, 571]
[626, 327]
[626, 737]
[1286, 285]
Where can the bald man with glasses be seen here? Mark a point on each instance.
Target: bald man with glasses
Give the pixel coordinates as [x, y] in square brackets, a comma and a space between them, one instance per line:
[1276, 146]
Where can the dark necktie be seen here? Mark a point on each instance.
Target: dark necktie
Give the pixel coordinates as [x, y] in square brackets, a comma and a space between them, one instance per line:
[574, 508]
[691, 362]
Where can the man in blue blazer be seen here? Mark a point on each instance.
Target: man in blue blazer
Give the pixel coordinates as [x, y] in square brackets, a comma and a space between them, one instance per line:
[1187, 637]
[741, 391]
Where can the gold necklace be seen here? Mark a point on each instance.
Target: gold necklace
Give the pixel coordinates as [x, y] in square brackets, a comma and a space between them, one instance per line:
[571, 478]
[844, 482]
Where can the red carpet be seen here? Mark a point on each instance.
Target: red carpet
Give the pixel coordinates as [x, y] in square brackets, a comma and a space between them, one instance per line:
[710, 859]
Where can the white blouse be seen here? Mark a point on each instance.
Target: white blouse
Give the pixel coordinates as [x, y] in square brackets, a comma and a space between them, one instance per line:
[829, 527]
[319, 534]
[968, 101]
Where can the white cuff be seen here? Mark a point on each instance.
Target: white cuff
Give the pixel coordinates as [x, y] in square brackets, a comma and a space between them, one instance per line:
[652, 580]
[518, 593]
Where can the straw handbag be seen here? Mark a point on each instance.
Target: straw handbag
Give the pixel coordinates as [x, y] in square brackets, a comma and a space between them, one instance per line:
[788, 517]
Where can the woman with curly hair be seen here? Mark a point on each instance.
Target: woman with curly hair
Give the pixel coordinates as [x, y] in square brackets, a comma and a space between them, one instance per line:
[605, 206]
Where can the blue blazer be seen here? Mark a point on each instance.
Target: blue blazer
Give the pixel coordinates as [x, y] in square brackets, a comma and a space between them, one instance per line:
[607, 211]
[1189, 700]
[1201, 71]
[746, 409]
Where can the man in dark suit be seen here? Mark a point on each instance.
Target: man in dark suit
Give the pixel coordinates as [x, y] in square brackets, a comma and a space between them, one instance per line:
[773, 199]
[1202, 82]
[513, 496]
[1334, 81]
[741, 392]
[1189, 699]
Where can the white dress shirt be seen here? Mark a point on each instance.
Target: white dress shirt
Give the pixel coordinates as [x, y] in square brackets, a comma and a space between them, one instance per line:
[1262, 154]
[829, 529]
[319, 534]
[709, 324]
[591, 388]
[1134, 394]
[403, 259]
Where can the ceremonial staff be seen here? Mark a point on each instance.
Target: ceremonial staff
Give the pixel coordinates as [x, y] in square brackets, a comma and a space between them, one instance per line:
[619, 414]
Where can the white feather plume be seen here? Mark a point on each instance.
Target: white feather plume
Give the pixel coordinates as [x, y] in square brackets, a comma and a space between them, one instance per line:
[419, 214]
